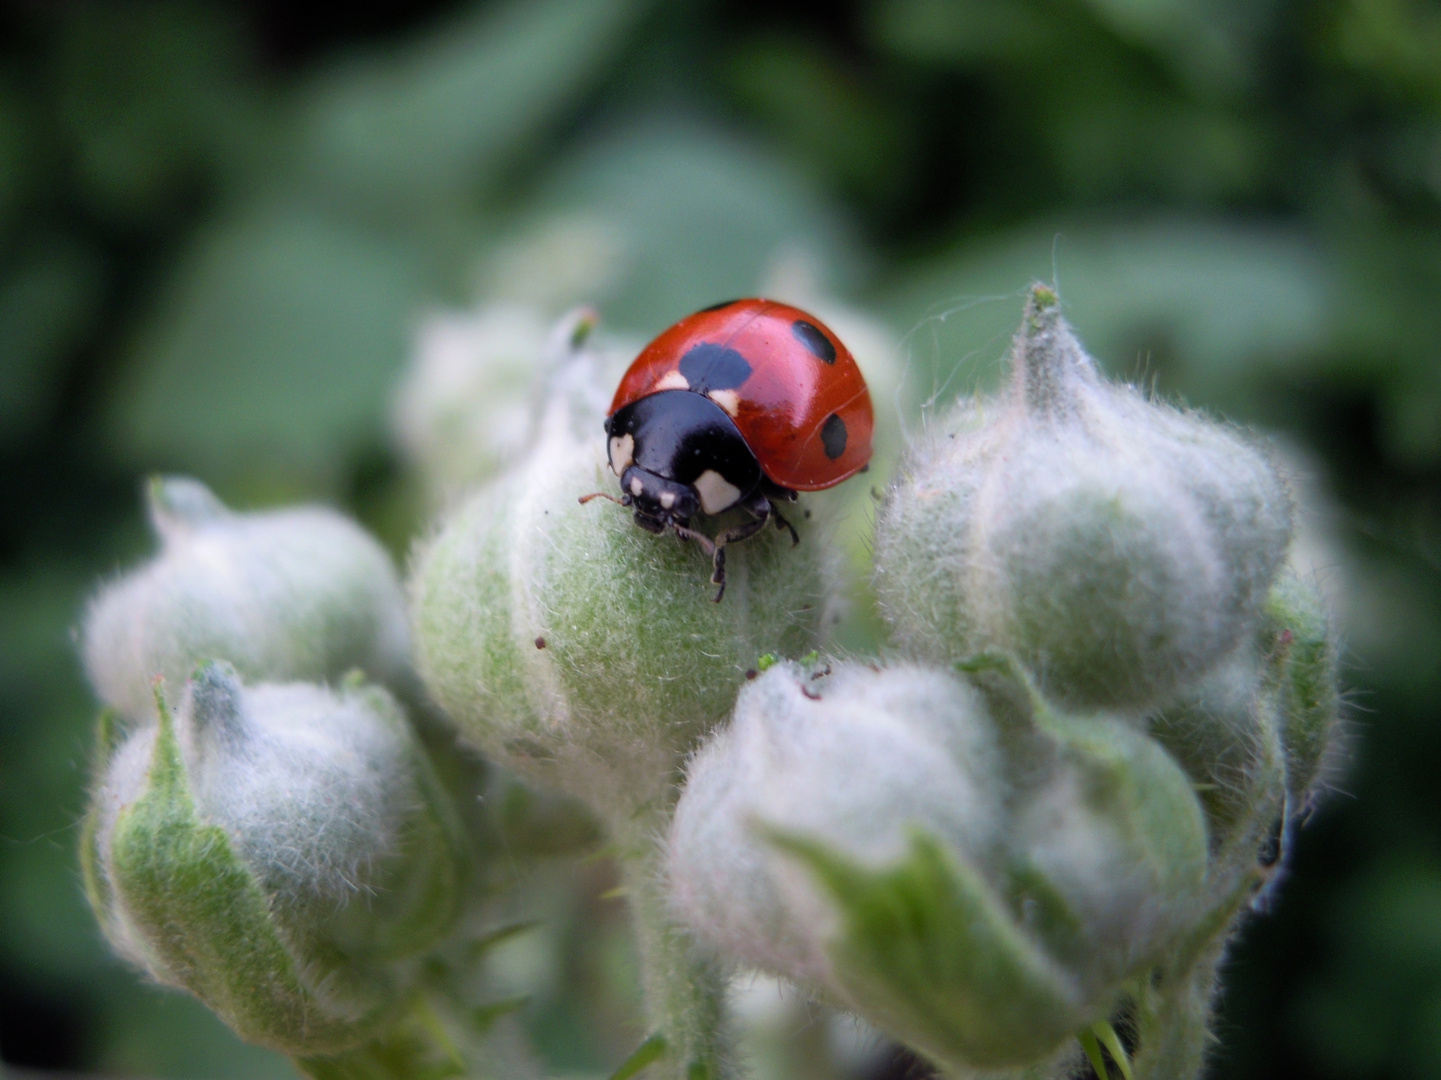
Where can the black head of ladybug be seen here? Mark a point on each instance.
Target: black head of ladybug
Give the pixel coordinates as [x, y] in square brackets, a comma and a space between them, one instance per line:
[678, 454]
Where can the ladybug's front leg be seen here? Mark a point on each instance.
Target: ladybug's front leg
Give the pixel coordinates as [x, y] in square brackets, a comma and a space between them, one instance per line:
[758, 505]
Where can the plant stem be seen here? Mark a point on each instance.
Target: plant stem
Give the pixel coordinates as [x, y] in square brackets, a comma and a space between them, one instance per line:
[684, 992]
[1172, 1025]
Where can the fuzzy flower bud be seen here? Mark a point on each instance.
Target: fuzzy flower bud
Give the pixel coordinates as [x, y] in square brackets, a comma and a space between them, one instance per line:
[584, 652]
[1255, 734]
[466, 406]
[968, 871]
[277, 850]
[299, 593]
[1303, 658]
[1119, 547]
[1225, 732]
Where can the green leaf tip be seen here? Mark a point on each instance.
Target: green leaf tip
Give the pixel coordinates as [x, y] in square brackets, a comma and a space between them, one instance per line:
[645, 1055]
[180, 503]
[476, 949]
[1112, 1042]
[484, 1017]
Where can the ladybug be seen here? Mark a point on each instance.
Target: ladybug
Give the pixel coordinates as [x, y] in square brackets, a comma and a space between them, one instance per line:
[738, 406]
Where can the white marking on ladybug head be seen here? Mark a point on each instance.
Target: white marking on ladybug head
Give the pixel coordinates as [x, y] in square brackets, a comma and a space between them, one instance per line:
[622, 452]
[728, 400]
[667, 499]
[672, 380]
[636, 487]
[715, 491]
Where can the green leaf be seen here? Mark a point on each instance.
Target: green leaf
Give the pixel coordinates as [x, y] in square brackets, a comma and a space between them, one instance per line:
[483, 1018]
[145, 122]
[275, 347]
[1112, 1042]
[823, 113]
[441, 117]
[1087, 1039]
[647, 1053]
[474, 950]
[669, 188]
[92, 873]
[50, 300]
[930, 952]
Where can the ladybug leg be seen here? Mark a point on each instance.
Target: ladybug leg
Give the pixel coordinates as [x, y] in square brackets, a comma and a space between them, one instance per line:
[718, 575]
[782, 523]
[730, 536]
[769, 498]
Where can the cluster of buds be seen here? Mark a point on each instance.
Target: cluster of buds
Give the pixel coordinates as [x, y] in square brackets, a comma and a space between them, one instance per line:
[1109, 697]
[266, 831]
[948, 857]
[1106, 697]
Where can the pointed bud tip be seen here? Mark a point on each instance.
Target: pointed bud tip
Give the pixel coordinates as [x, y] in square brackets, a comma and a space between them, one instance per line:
[582, 323]
[214, 692]
[1047, 362]
[178, 504]
[1043, 297]
[1043, 310]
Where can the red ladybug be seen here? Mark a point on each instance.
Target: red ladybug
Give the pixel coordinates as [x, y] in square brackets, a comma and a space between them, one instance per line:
[737, 406]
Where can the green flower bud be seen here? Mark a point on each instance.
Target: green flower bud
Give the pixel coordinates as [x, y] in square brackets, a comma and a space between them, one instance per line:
[968, 871]
[1224, 731]
[471, 401]
[1120, 548]
[285, 594]
[1302, 658]
[466, 406]
[580, 650]
[280, 851]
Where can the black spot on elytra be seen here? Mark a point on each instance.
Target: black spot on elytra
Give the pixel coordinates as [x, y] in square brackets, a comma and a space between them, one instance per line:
[717, 307]
[708, 367]
[811, 336]
[833, 436]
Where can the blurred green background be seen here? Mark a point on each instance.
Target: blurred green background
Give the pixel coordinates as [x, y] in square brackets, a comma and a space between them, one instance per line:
[220, 223]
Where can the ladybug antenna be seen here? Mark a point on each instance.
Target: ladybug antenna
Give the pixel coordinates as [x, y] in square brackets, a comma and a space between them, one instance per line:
[603, 495]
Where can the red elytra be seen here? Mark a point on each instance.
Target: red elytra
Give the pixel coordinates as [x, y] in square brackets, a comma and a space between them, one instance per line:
[803, 382]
